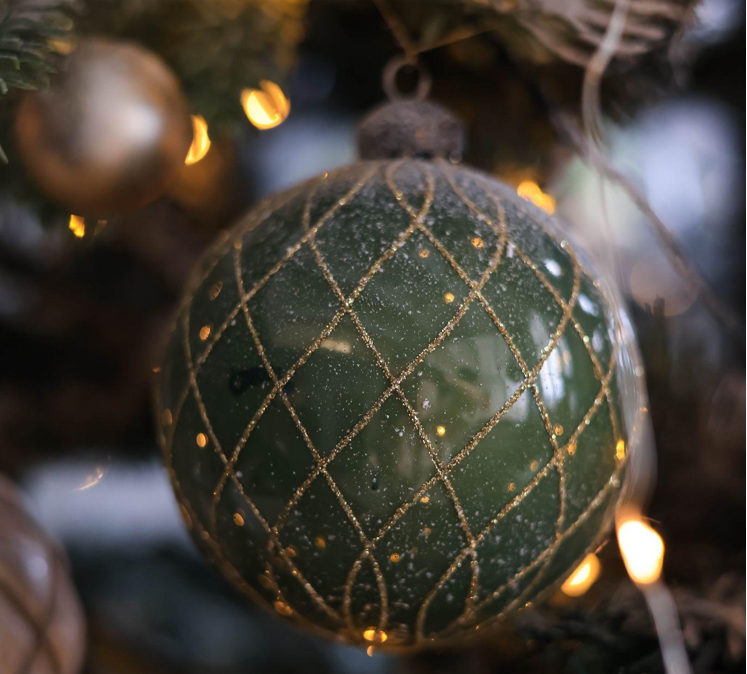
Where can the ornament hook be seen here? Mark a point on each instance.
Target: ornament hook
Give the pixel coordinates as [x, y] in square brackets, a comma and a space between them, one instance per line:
[400, 65]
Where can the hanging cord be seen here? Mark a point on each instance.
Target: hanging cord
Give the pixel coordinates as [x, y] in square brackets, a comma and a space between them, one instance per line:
[641, 455]
[410, 46]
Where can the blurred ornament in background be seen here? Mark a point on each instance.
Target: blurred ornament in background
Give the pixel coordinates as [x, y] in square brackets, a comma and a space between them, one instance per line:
[109, 134]
[391, 403]
[42, 628]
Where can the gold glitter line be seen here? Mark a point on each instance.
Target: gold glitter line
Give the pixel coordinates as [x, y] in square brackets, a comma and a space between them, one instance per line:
[315, 345]
[213, 531]
[274, 541]
[516, 501]
[547, 554]
[610, 316]
[501, 230]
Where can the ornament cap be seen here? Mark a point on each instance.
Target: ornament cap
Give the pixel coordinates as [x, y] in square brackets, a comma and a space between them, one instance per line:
[411, 128]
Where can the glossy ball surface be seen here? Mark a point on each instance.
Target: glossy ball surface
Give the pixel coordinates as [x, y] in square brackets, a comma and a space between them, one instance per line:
[389, 404]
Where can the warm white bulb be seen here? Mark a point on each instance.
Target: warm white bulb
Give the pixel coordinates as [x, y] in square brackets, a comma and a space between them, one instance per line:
[642, 550]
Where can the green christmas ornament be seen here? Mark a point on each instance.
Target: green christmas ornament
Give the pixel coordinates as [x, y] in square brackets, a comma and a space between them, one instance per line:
[390, 406]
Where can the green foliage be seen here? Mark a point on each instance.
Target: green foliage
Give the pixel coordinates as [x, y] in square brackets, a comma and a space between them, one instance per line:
[27, 44]
[28, 39]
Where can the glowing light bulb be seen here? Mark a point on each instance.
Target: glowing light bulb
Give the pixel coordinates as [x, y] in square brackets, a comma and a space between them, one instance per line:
[583, 577]
[620, 450]
[372, 634]
[266, 107]
[642, 551]
[77, 226]
[531, 191]
[200, 140]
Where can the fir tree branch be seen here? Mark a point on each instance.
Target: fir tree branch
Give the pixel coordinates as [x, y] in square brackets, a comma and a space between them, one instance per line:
[29, 40]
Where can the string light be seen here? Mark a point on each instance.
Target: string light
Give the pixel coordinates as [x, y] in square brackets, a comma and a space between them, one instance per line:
[266, 107]
[200, 140]
[583, 577]
[372, 634]
[531, 191]
[642, 551]
[77, 226]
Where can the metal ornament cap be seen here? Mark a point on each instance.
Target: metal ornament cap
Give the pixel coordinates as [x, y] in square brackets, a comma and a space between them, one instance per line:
[411, 128]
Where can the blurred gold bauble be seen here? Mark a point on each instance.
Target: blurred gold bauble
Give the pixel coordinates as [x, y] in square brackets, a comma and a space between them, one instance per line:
[42, 627]
[109, 134]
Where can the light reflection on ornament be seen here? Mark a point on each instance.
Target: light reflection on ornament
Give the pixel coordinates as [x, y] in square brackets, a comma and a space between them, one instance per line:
[337, 345]
[642, 551]
[449, 298]
[441, 430]
[531, 191]
[200, 140]
[77, 226]
[583, 577]
[266, 107]
[93, 479]
[620, 450]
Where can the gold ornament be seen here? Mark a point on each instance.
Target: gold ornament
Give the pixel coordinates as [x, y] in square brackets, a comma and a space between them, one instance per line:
[109, 134]
[42, 629]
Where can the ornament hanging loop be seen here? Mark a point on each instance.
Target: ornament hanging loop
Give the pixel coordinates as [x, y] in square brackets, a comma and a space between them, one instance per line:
[397, 67]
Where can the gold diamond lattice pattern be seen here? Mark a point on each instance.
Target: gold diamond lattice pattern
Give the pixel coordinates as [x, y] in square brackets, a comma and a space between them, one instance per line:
[295, 418]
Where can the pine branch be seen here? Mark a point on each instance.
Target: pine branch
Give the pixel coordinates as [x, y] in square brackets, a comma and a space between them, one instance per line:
[29, 36]
[29, 40]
